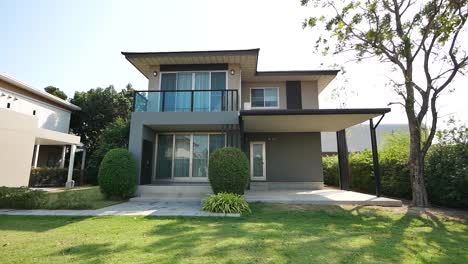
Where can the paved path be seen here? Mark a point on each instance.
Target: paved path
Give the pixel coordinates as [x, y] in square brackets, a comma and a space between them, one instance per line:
[156, 208]
[319, 197]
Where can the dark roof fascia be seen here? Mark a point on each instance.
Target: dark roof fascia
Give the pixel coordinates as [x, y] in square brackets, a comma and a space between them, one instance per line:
[198, 53]
[348, 111]
[294, 73]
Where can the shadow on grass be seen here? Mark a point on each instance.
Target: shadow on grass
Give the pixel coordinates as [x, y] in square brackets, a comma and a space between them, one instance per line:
[272, 233]
[36, 223]
[301, 234]
[92, 252]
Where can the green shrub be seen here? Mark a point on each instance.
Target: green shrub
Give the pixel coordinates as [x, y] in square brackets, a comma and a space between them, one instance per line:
[115, 135]
[361, 172]
[447, 175]
[71, 200]
[228, 171]
[330, 170]
[228, 203]
[51, 177]
[22, 198]
[117, 174]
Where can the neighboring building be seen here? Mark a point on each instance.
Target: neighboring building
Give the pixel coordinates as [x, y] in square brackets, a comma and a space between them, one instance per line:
[34, 131]
[199, 101]
[358, 137]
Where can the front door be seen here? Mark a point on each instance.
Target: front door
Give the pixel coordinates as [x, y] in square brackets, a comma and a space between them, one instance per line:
[146, 162]
[257, 161]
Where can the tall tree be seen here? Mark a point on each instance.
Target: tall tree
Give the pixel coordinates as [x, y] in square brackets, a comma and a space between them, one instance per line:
[412, 36]
[99, 107]
[56, 91]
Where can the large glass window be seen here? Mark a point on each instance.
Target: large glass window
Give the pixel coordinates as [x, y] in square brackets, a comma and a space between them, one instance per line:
[186, 155]
[164, 157]
[184, 82]
[182, 156]
[201, 100]
[264, 97]
[218, 82]
[200, 156]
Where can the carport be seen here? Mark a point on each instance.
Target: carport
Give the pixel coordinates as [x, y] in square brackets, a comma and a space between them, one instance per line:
[317, 120]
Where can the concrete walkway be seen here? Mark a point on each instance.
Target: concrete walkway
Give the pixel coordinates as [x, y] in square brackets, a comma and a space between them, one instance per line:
[156, 208]
[150, 205]
[319, 197]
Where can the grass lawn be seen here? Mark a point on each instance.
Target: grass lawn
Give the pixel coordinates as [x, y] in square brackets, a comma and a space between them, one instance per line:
[85, 198]
[271, 234]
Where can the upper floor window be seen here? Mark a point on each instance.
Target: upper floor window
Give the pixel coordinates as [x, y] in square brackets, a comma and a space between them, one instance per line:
[193, 81]
[207, 99]
[264, 97]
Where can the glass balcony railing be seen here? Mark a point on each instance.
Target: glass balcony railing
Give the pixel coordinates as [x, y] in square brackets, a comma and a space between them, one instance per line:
[186, 101]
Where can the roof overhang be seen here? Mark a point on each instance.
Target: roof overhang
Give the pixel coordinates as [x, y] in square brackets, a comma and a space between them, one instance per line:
[50, 137]
[306, 120]
[247, 59]
[47, 96]
[145, 61]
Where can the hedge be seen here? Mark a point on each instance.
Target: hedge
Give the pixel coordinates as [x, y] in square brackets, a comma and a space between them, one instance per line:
[446, 173]
[52, 177]
[22, 198]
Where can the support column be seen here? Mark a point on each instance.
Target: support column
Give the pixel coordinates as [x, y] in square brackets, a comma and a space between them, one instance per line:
[36, 155]
[62, 160]
[241, 134]
[70, 183]
[83, 160]
[375, 157]
[343, 161]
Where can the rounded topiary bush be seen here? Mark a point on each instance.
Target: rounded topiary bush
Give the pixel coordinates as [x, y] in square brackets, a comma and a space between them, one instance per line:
[228, 171]
[117, 174]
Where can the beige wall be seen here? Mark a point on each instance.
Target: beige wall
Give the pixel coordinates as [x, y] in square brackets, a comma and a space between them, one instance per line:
[246, 86]
[309, 93]
[17, 135]
[153, 82]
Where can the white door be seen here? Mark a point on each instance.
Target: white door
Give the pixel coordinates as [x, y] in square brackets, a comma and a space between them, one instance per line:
[257, 161]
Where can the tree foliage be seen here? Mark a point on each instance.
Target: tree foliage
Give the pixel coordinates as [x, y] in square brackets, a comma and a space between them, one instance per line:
[99, 108]
[115, 135]
[413, 37]
[56, 91]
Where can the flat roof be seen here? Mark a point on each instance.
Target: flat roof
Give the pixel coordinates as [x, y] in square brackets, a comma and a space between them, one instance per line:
[199, 52]
[306, 120]
[65, 104]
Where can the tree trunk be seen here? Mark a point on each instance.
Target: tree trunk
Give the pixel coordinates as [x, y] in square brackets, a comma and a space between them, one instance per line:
[416, 166]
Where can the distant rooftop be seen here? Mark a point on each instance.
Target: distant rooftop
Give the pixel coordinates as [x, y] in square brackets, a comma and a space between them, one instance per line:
[67, 105]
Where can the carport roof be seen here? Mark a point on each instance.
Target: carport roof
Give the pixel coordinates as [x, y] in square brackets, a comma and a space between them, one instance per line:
[306, 120]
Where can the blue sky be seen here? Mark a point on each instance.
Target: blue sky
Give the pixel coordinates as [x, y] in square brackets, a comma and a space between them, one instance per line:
[76, 45]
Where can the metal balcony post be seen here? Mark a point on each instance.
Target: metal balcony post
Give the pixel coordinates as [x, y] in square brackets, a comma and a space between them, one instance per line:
[191, 101]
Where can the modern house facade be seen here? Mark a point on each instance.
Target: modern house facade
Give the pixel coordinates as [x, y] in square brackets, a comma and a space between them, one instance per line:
[199, 101]
[34, 131]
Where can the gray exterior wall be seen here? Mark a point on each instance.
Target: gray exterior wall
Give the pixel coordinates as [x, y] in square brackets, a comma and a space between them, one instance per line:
[290, 157]
[145, 124]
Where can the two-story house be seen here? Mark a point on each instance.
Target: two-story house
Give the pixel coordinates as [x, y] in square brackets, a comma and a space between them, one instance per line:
[34, 132]
[199, 101]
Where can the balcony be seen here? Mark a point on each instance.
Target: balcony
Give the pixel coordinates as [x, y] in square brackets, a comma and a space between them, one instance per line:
[186, 101]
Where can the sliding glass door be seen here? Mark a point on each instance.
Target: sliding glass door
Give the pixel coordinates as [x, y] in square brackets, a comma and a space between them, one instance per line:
[185, 156]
